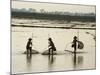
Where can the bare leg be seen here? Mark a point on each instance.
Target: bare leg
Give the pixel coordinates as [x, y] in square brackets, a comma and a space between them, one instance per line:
[49, 51]
[30, 50]
[74, 49]
[52, 51]
[27, 51]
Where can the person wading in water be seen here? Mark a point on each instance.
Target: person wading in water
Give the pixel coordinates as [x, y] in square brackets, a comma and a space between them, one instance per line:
[51, 46]
[74, 43]
[29, 46]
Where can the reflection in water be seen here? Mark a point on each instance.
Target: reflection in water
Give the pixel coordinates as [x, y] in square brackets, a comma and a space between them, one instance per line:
[51, 60]
[29, 60]
[77, 61]
[80, 60]
[74, 60]
[61, 37]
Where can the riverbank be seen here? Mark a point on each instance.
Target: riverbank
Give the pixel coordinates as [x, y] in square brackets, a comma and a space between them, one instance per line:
[89, 28]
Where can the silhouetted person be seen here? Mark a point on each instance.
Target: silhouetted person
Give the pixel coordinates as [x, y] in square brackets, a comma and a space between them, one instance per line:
[29, 46]
[51, 46]
[74, 43]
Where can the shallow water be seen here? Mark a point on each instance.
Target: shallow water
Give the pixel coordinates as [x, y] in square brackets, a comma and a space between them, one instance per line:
[62, 39]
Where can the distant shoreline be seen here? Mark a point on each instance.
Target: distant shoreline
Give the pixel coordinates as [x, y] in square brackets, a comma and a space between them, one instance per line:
[13, 25]
[68, 18]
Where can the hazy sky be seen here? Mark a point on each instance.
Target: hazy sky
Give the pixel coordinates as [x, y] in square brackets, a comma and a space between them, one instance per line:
[54, 7]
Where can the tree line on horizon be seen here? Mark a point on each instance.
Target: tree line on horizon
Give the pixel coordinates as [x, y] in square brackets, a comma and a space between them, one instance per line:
[32, 10]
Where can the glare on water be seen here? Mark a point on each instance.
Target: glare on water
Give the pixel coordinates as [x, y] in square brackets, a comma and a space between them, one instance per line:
[62, 39]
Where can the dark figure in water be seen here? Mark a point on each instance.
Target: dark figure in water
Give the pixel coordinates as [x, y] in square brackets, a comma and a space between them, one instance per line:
[51, 46]
[29, 46]
[74, 43]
